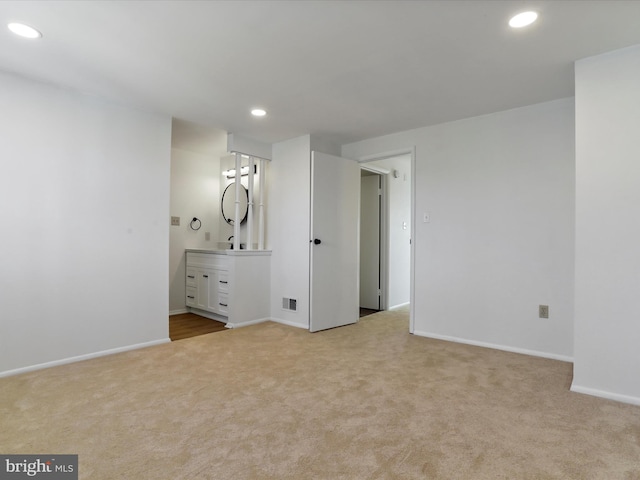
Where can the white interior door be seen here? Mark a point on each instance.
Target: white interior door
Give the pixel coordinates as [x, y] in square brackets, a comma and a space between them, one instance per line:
[335, 196]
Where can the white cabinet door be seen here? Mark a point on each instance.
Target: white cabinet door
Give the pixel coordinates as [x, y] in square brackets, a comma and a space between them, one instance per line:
[202, 287]
[213, 286]
[206, 296]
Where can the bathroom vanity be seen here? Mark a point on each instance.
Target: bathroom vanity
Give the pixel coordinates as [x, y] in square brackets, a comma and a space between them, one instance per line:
[231, 286]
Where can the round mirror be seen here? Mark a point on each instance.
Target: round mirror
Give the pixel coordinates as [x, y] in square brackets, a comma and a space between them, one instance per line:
[229, 203]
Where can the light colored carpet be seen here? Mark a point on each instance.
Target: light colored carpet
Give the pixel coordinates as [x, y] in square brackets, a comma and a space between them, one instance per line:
[367, 401]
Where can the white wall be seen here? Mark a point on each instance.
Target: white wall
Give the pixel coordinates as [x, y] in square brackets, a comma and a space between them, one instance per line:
[607, 326]
[500, 192]
[85, 227]
[288, 192]
[195, 192]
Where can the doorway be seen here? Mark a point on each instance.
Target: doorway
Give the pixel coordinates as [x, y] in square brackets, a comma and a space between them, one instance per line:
[371, 241]
[387, 192]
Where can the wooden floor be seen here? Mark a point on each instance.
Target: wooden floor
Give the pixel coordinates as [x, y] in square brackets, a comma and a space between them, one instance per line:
[186, 325]
[367, 311]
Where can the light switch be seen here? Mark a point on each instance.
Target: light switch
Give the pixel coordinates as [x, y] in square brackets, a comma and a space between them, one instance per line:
[426, 217]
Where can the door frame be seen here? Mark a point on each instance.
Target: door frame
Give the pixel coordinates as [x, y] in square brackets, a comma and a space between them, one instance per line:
[411, 151]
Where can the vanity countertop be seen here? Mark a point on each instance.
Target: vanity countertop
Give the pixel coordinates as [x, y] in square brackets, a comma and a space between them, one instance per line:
[207, 250]
[230, 252]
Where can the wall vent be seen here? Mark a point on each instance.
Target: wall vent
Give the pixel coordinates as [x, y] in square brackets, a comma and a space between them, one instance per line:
[289, 304]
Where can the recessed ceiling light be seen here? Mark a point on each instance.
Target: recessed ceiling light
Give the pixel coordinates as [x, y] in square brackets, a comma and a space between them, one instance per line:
[24, 30]
[258, 112]
[523, 19]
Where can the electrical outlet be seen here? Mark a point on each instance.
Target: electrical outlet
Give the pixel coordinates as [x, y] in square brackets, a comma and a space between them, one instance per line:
[543, 311]
[207, 236]
[175, 221]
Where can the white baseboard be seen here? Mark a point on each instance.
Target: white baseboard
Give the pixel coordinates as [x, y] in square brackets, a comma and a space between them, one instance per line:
[290, 324]
[400, 305]
[209, 315]
[80, 358]
[247, 323]
[534, 353]
[604, 394]
[178, 312]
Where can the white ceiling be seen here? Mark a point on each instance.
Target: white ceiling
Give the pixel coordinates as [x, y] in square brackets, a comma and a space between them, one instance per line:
[343, 70]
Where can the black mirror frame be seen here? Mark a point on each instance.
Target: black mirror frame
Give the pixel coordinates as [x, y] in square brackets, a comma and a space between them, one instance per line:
[230, 221]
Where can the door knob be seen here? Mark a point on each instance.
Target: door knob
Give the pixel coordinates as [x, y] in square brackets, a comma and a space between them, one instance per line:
[317, 241]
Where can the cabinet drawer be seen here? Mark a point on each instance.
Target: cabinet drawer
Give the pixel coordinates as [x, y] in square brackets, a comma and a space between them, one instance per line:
[191, 277]
[206, 260]
[223, 282]
[191, 296]
[223, 304]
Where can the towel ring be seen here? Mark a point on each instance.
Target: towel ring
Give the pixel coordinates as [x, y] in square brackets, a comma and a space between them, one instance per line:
[195, 222]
